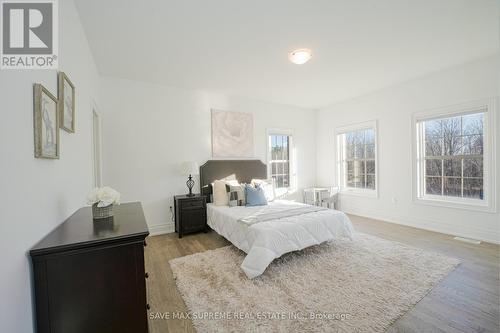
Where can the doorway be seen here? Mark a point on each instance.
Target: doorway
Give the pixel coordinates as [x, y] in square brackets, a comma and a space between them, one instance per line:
[96, 147]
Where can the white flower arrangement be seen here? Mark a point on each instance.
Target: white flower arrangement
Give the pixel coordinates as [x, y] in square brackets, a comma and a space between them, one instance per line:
[103, 197]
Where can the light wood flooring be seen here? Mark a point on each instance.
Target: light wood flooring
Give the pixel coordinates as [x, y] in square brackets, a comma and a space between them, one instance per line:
[467, 300]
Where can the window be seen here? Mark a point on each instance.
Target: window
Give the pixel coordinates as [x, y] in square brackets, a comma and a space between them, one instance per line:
[453, 158]
[357, 158]
[279, 159]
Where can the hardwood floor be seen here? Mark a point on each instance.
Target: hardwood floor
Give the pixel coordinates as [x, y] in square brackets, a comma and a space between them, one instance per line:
[467, 300]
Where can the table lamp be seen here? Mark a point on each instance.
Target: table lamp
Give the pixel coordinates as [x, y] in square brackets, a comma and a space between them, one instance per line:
[189, 169]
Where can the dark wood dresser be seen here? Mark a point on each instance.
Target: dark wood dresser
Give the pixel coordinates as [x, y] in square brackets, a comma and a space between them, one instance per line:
[190, 214]
[89, 275]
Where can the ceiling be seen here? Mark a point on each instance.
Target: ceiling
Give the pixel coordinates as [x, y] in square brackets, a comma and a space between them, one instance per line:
[241, 47]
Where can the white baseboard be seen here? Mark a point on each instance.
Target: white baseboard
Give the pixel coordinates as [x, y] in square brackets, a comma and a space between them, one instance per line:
[425, 224]
[165, 228]
[467, 240]
[160, 229]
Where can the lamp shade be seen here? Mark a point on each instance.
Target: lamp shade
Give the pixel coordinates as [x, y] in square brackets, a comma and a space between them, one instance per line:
[190, 168]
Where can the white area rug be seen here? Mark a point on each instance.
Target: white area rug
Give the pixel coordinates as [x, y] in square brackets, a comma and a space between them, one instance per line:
[362, 285]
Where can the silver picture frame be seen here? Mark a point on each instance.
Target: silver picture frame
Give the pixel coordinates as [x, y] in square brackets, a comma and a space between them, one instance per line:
[66, 92]
[46, 123]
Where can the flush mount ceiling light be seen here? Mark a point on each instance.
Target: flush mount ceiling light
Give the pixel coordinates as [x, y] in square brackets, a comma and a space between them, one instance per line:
[300, 56]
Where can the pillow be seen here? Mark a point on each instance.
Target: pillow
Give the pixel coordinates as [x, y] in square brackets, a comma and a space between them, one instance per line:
[268, 185]
[233, 182]
[220, 194]
[236, 192]
[255, 196]
[233, 199]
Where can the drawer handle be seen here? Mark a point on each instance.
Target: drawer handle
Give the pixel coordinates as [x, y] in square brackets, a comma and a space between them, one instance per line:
[146, 275]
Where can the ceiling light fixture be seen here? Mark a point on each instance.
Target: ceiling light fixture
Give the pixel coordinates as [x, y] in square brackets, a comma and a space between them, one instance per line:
[300, 56]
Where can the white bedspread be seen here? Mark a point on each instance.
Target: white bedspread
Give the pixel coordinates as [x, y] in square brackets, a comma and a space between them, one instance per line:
[267, 240]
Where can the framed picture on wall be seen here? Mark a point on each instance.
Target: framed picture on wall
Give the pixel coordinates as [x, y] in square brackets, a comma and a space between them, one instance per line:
[46, 123]
[67, 103]
[232, 134]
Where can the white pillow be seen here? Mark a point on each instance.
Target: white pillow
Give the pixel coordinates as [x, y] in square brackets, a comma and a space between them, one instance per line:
[232, 182]
[220, 196]
[268, 186]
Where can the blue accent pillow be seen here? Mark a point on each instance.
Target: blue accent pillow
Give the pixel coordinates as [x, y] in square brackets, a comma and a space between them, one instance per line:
[255, 196]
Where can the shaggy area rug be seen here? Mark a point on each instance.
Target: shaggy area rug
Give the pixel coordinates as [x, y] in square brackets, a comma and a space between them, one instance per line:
[362, 285]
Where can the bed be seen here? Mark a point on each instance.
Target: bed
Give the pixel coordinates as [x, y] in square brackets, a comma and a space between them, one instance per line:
[265, 233]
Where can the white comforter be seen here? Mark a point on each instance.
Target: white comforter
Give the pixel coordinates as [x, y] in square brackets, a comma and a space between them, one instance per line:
[263, 241]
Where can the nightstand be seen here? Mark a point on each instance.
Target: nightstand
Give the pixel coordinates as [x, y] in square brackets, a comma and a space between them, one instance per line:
[190, 214]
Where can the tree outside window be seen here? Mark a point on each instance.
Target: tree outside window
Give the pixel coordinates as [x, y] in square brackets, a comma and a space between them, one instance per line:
[453, 156]
[279, 146]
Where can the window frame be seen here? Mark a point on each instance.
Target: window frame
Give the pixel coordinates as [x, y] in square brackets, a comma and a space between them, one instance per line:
[488, 204]
[291, 159]
[340, 162]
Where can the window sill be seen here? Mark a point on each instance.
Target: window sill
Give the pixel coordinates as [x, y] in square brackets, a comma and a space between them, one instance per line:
[359, 193]
[471, 205]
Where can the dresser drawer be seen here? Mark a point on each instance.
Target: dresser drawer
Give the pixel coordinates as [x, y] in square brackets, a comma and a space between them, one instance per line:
[192, 204]
[193, 219]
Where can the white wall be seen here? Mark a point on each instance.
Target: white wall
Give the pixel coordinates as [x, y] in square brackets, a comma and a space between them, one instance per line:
[149, 130]
[35, 194]
[393, 107]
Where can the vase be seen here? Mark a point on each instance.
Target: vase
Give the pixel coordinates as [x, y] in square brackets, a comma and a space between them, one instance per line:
[102, 212]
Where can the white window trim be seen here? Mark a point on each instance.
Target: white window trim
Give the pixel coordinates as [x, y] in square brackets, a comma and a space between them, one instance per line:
[293, 171]
[373, 124]
[489, 157]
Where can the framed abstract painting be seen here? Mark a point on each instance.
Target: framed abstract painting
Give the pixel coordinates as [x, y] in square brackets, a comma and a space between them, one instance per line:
[232, 134]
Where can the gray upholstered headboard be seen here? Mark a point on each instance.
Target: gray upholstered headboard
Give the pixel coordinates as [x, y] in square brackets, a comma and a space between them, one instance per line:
[242, 170]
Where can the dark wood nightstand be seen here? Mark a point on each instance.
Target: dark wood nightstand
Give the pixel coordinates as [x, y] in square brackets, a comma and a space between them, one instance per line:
[190, 214]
